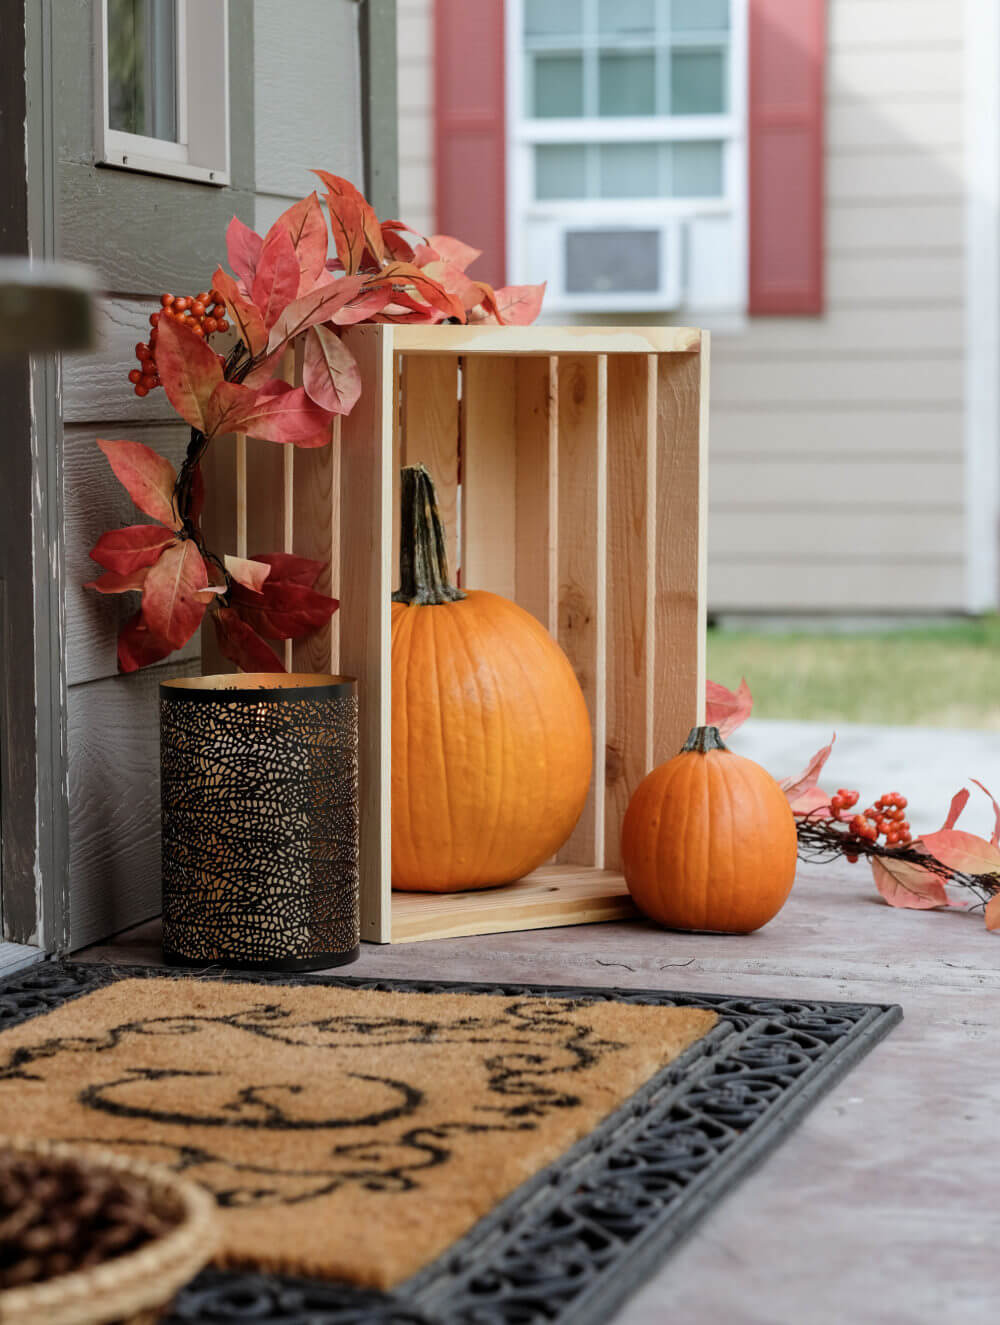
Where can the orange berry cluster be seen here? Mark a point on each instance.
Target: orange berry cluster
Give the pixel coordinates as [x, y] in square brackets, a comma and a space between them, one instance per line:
[886, 818]
[204, 313]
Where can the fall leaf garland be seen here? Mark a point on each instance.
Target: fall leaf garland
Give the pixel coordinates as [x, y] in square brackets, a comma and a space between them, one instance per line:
[282, 285]
[913, 874]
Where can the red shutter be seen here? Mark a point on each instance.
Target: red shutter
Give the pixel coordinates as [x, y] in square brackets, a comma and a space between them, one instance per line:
[470, 129]
[787, 40]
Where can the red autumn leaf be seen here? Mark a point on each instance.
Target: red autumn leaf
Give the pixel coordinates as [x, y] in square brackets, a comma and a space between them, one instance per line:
[243, 247]
[958, 803]
[995, 836]
[251, 574]
[423, 254]
[395, 245]
[347, 228]
[244, 315]
[406, 310]
[352, 218]
[278, 413]
[113, 582]
[228, 406]
[171, 607]
[189, 369]
[307, 230]
[960, 850]
[993, 912]
[727, 709]
[147, 477]
[323, 304]
[240, 643]
[801, 791]
[330, 374]
[277, 280]
[131, 549]
[454, 251]
[963, 851]
[487, 306]
[456, 282]
[287, 607]
[406, 276]
[517, 305]
[909, 886]
[138, 646]
[285, 611]
[287, 568]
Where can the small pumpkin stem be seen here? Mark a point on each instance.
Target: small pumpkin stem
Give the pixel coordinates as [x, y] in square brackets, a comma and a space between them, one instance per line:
[423, 557]
[704, 739]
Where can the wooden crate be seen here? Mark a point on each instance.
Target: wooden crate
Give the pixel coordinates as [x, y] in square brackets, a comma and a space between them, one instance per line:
[580, 493]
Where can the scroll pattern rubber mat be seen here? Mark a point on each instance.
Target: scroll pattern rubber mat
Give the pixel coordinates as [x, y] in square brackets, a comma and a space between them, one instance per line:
[574, 1241]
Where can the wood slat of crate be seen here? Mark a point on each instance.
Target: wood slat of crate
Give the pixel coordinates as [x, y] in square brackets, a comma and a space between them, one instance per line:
[572, 469]
[550, 896]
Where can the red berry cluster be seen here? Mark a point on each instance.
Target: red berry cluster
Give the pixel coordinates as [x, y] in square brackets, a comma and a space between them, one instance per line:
[886, 818]
[843, 800]
[204, 313]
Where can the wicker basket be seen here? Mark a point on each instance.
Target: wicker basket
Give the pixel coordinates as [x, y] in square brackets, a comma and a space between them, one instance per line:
[133, 1288]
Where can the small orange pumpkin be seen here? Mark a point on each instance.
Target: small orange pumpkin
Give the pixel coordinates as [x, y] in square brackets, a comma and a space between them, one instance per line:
[491, 743]
[709, 841]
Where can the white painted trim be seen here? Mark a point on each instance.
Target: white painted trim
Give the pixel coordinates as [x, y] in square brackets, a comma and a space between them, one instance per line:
[982, 305]
[202, 150]
[523, 134]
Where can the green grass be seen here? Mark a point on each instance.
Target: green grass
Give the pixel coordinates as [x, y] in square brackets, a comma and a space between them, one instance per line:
[934, 676]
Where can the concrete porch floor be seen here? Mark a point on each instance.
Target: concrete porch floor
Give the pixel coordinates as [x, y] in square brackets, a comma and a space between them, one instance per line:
[883, 1207]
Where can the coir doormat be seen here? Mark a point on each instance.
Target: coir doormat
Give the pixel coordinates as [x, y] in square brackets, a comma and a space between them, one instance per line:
[447, 1153]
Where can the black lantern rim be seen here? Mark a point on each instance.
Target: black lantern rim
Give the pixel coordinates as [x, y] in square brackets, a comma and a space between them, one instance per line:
[255, 687]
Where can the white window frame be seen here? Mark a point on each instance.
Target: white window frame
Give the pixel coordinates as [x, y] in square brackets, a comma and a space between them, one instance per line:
[524, 133]
[202, 150]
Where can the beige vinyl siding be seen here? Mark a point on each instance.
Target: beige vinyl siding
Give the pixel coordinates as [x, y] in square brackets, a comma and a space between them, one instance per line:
[836, 442]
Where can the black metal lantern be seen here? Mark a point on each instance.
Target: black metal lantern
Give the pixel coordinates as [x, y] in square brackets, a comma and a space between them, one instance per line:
[259, 799]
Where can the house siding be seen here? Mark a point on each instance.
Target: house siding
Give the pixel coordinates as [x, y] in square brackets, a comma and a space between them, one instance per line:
[837, 442]
[297, 107]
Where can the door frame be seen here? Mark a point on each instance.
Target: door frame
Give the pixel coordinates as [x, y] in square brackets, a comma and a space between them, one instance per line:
[34, 814]
[982, 306]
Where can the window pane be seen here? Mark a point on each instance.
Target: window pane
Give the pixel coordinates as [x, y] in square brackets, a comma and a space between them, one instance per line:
[560, 171]
[558, 85]
[142, 67]
[697, 170]
[599, 261]
[549, 18]
[628, 84]
[699, 15]
[630, 170]
[697, 82]
[627, 18]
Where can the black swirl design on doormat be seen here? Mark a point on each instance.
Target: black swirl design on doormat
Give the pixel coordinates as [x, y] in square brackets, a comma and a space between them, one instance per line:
[525, 1052]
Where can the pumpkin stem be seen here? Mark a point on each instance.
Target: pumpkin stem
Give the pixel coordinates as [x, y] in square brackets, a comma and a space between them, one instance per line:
[423, 558]
[704, 739]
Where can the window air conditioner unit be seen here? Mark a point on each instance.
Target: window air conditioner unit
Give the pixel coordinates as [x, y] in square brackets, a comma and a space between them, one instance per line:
[620, 268]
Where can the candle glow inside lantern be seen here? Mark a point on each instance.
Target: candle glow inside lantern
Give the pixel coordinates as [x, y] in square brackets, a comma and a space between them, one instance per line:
[259, 801]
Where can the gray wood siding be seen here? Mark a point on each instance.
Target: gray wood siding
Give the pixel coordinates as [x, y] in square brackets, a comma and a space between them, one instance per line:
[307, 99]
[297, 107]
[416, 118]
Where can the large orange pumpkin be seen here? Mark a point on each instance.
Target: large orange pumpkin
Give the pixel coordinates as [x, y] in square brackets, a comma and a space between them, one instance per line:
[709, 841]
[491, 743]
